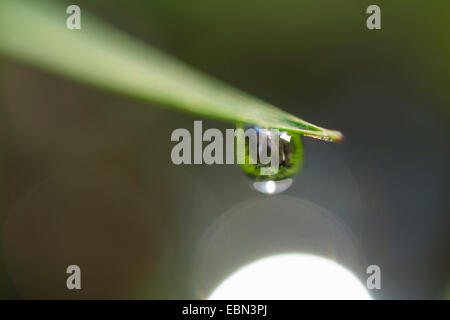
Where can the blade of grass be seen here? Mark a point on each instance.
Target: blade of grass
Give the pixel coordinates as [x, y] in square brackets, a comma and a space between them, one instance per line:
[35, 32]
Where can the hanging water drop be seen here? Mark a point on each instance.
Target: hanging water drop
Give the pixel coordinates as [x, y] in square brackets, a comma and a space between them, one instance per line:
[290, 152]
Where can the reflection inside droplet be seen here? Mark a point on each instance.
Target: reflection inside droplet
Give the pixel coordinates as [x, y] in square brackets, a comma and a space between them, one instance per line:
[269, 178]
[272, 187]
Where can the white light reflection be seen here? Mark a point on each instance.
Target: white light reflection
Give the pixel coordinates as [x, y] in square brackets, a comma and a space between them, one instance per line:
[272, 187]
[292, 276]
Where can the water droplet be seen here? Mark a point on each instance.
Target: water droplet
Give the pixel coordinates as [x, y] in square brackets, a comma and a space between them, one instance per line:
[290, 161]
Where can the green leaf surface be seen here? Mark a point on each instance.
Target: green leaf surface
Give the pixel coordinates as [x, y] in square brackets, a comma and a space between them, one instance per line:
[35, 32]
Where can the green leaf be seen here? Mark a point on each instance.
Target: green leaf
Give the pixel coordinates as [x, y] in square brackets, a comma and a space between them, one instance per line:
[35, 32]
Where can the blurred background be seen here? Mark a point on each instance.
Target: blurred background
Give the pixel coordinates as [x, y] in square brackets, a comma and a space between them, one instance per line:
[86, 176]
